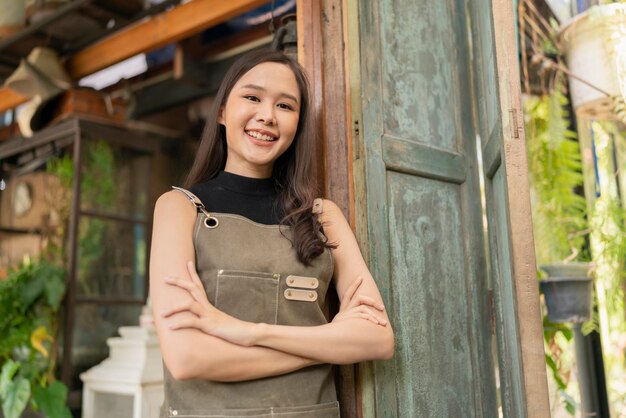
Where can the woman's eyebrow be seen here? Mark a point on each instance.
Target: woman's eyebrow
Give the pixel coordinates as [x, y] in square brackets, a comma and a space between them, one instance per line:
[256, 87]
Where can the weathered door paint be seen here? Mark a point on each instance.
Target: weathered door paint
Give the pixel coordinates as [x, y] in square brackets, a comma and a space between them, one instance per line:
[423, 210]
[418, 210]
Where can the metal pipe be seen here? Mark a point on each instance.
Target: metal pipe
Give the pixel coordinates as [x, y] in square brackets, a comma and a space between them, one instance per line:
[586, 376]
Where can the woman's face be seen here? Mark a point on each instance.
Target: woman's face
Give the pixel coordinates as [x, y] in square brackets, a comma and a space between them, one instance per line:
[261, 118]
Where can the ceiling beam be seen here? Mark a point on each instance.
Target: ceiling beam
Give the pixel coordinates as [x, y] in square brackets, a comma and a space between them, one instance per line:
[171, 26]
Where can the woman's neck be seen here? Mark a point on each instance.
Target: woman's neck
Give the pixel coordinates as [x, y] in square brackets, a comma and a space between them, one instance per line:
[252, 171]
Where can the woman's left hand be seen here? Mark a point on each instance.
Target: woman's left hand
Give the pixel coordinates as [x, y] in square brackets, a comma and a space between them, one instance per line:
[207, 318]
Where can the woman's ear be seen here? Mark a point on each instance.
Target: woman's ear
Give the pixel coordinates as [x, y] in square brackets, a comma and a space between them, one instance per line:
[220, 116]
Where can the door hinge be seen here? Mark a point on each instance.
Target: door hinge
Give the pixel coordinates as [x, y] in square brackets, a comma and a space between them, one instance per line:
[356, 140]
[492, 311]
[516, 127]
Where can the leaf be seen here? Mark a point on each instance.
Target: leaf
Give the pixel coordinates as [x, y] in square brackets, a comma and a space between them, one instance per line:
[37, 338]
[54, 286]
[16, 397]
[8, 371]
[33, 290]
[51, 400]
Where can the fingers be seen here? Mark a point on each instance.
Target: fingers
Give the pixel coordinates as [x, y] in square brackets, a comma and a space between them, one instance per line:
[187, 323]
[349, 293]
[196, 291]
[362, 312]
[193, 273]
[184, 284]
[370, 315]
[369, 301]
[190, 306]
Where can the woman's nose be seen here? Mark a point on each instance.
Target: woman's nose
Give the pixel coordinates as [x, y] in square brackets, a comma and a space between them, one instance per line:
[265, 115]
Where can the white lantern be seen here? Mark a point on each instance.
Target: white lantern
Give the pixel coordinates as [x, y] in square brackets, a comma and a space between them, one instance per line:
[129, 383]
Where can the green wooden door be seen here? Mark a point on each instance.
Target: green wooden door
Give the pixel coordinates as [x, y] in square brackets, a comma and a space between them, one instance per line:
[419, 212]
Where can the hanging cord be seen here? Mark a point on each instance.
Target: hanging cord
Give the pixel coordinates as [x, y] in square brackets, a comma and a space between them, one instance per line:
[271, 26]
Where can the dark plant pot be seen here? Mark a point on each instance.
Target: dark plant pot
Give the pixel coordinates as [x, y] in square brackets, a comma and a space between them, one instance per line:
[568, 292]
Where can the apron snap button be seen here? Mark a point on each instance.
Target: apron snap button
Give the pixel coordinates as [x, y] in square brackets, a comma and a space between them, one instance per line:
[311, 295]
[276, 275]
[288, 293]
[175, 412]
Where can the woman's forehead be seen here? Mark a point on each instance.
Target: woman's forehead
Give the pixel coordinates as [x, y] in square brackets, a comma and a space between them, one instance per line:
[271, 76]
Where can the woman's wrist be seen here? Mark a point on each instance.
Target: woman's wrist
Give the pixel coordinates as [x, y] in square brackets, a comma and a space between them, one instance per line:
[257, 333]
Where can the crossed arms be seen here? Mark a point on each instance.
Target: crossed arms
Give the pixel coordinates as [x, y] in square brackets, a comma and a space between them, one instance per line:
[200, 342]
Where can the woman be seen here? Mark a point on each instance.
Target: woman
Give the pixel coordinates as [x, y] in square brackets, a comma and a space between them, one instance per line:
[242, 329]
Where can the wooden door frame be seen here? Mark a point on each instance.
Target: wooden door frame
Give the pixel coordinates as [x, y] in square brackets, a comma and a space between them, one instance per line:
[513, 155]
[322, 49]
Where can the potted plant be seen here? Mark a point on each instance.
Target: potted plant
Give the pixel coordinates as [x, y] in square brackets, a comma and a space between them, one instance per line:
[568, 292]
[594, 45]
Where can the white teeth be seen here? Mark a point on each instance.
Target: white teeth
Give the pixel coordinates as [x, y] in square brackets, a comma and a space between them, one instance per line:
[260, 136]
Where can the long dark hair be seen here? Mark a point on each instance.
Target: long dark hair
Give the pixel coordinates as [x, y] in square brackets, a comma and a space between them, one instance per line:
[293, 170]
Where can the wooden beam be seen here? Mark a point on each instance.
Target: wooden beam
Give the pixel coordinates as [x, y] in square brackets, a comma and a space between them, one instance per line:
[10, 99]
[159, 30]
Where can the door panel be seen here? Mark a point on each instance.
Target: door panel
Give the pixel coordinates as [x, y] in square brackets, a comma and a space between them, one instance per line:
[421, 76]
[423, 212]
[408, 97]
[429, 296]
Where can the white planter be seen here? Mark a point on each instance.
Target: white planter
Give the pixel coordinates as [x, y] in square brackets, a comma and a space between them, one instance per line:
[594, 43]
[12, 16]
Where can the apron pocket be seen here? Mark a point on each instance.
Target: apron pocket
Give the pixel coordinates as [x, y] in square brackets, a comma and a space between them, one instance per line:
[323, 410]
[249, 296]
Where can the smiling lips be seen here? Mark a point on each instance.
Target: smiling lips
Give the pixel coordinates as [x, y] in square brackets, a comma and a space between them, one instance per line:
[262, 136]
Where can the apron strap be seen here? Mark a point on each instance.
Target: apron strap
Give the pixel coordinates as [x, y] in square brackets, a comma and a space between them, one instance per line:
[192, 197]
[318, 206]
[210, 221]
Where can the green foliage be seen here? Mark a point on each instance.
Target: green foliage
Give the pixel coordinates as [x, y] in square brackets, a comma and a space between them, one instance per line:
[98, 182]
[30, 298]
[63, 169]
[51, 400]
[556, 336]
[98, 179]
[559, 219]
[15, 391]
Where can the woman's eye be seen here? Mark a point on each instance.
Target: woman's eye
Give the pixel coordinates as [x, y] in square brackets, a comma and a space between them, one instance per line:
[251, 98]
[285, 106]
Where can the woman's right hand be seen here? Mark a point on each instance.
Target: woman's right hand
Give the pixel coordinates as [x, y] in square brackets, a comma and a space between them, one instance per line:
[359, 306]
[206, 317]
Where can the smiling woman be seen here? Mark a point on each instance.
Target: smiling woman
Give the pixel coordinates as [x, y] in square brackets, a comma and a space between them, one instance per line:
[261, 118]
[242, 259]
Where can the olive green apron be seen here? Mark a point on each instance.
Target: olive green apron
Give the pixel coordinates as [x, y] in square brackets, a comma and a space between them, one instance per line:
[250, 271]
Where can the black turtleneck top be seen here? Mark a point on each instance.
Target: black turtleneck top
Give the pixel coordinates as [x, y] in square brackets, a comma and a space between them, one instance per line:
[252, 198]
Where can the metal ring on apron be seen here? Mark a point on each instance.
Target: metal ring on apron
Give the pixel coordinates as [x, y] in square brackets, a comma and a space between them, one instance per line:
[210, 222]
